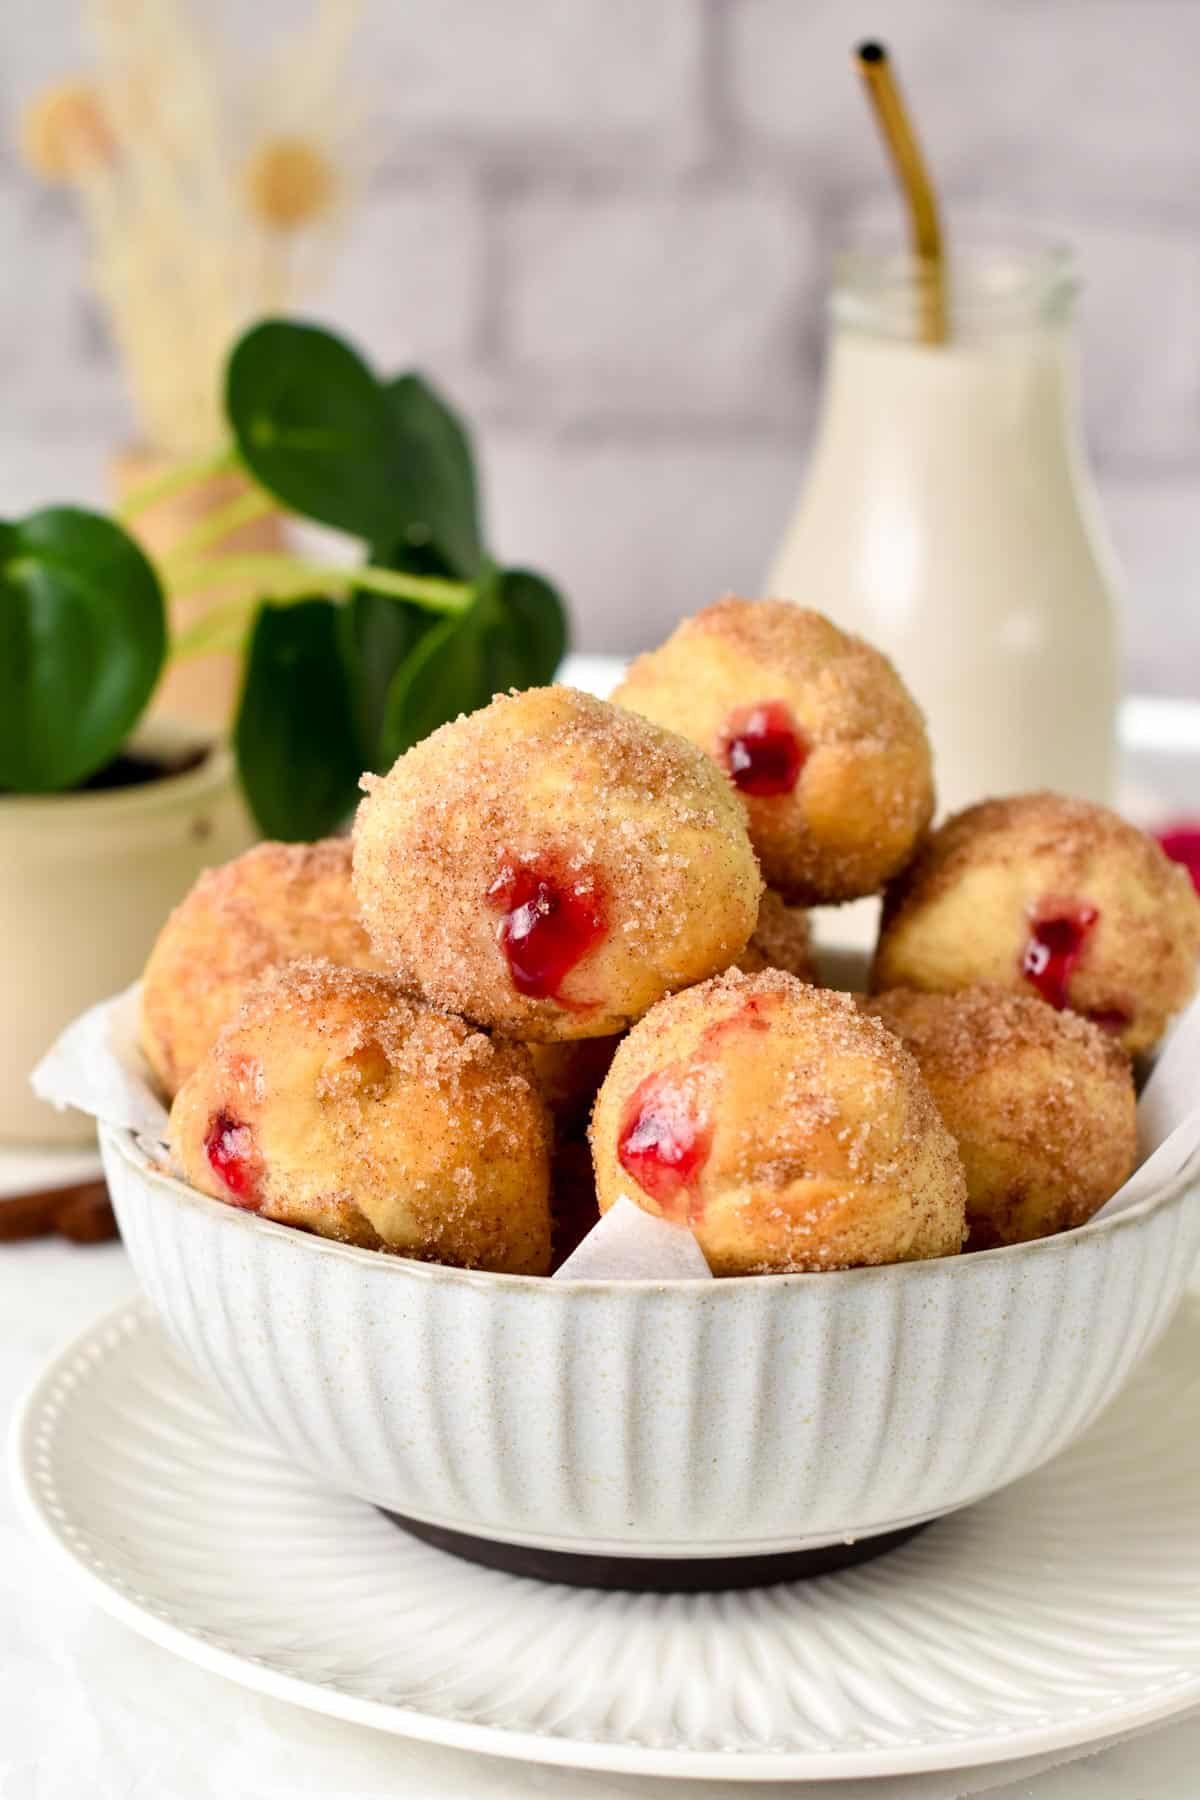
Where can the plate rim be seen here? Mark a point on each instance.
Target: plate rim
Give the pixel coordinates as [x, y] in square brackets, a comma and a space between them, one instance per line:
[133, 1317]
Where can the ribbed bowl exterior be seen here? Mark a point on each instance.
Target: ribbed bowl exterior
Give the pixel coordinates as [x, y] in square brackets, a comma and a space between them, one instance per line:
[686, 1418]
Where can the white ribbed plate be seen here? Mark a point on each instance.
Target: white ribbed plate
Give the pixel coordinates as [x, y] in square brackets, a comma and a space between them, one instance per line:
[1062, 1610]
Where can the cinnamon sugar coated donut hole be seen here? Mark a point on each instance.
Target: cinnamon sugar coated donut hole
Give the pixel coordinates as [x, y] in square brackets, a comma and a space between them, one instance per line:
[1051, 897]
[269, 906]
[782, 940]
[813, 727]
[335, 1103]
[1040, 1103]
[787, 1128]
[551, 866]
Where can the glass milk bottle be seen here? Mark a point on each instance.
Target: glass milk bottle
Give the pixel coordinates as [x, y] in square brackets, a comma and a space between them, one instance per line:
[948, 517]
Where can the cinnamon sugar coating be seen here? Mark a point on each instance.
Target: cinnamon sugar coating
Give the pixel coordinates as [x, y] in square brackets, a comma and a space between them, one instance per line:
[782, 940]
[964, 913]
[1040, 1103]
[552, 792]
[788, 1129]
[334, 1102]
[864, 793]
[268, 906]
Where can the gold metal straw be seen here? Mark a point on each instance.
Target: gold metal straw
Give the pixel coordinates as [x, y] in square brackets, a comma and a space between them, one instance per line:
[901, 140]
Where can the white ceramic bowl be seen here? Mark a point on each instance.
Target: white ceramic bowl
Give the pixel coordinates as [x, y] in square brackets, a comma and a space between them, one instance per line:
[681, 1419]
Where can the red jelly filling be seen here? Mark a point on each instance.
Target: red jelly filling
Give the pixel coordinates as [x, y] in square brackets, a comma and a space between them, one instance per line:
[1182, 845]
[752, 1015]
[549, 924]
[1056, 943]
[229, 1147]
[764, 749]
[664, 1144]
[1109, 1018]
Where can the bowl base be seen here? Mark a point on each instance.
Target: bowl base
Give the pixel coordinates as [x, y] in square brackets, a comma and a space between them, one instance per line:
[655, 1574]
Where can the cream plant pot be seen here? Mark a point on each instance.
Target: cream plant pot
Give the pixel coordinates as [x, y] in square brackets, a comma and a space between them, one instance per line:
[88, 880]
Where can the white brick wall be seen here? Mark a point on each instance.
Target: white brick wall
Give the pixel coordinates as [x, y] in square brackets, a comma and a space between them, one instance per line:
[411, 273]
[650, 529]
[603, 225]
[1141, 333]
[536, 79]
[1156, 528]
[56, 375]
[635, 304]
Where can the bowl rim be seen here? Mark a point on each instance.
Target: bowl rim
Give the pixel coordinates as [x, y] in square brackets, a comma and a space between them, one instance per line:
[125, 1144]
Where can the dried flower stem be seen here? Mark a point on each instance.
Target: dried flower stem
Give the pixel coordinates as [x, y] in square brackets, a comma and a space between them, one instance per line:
[208, 201]
[222, 628]
[219, 525]
[177, 480]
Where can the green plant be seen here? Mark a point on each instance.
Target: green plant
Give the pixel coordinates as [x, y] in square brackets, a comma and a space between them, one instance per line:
[345, 665]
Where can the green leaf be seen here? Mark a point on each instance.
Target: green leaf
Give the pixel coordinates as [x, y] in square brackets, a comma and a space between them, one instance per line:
[314, 426]
[446, 674]
[390, 463]
[535, 619]
[296, 738]
[378, 634]
[82, 642]
[512, 637]
[443, 498]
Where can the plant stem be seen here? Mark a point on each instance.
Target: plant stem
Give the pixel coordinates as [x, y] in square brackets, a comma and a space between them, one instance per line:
[221, 628]
[423, 590]
[255, 504]
[276, 575]
[177, 480]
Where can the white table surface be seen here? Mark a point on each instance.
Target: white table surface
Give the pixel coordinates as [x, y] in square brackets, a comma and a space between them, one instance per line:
[90, 1711]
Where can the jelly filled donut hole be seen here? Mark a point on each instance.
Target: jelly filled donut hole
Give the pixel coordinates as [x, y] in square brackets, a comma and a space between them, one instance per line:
[814, 730]
[275, 903]
[1040, 1103]
[790, 1131]
[1050, 897]
[551, 866]
[333, 1102]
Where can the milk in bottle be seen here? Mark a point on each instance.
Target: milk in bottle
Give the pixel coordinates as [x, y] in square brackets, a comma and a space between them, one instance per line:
[948, 517]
